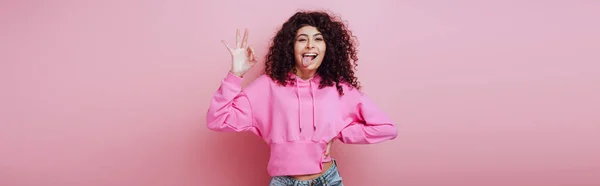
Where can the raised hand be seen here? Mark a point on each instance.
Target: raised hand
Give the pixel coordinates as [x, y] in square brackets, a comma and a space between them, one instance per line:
[242, 56]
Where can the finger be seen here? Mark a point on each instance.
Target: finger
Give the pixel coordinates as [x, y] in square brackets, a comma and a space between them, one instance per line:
[226, 45]
[252, 54]
[245, 40]
[249, 52]
[237, 38]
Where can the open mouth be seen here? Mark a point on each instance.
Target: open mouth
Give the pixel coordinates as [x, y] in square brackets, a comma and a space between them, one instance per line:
[308, 59]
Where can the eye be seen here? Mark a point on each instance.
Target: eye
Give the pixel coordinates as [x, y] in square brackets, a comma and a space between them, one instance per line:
[301, 39]
[319, 39]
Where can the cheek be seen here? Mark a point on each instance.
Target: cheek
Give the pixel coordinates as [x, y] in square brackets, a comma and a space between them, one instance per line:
[296, 51]
[297, 48]
[323, 47]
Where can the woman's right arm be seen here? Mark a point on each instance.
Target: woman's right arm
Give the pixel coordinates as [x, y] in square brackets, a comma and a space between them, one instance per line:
[230, 109]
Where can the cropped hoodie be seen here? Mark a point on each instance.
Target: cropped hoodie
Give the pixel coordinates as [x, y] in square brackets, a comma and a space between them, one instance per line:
[297, 121]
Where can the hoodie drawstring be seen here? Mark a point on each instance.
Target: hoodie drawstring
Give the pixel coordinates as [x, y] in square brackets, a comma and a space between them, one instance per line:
[299, 104]
[312, 96]
[311, 88]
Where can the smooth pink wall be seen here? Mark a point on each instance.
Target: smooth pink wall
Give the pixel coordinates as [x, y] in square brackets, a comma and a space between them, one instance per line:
[114, 93]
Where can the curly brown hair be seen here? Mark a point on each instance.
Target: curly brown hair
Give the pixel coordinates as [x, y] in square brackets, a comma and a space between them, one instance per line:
[340, 56]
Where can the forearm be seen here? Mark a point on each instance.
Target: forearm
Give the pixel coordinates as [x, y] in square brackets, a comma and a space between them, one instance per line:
[230, 109]
[359, 133]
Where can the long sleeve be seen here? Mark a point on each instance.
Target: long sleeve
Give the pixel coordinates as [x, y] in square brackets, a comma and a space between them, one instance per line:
[230, 109]
[369, 124]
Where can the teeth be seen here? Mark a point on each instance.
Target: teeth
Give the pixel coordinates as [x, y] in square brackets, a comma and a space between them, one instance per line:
[312, 55]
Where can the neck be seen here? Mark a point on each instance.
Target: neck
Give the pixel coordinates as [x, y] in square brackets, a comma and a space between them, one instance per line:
[305, 74]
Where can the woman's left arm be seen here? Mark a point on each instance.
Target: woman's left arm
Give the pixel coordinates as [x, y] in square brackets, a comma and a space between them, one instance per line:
[369, 124]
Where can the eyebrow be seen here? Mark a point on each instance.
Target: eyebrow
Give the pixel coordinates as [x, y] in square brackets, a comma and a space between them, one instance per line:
[307, 35]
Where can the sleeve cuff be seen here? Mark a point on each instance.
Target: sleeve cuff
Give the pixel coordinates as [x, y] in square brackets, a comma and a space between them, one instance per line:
[232, 78]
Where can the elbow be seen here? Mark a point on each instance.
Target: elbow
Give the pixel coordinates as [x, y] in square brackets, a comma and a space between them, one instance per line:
[213, 122]
[216, 120]
[218, 126]
[371, 134]
[212, 125]
[388, 131]
[393, 134]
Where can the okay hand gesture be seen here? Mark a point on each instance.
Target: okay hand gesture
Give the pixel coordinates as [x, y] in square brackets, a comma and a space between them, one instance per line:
[242, 56]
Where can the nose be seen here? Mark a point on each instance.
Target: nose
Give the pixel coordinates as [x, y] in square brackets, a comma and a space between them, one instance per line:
[309, 45]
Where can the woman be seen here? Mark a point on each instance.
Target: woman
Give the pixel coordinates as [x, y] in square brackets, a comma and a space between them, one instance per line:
[307, 97]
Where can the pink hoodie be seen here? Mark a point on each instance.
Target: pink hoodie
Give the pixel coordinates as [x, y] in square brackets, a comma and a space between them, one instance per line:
[297, 121]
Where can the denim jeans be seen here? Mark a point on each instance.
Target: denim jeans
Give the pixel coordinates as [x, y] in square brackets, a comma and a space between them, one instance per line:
[331, 177]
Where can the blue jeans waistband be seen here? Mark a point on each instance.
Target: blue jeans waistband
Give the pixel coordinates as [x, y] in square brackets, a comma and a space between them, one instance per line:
[330, 177]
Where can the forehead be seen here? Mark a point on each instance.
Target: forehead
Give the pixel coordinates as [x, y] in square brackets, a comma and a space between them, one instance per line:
[308, 30]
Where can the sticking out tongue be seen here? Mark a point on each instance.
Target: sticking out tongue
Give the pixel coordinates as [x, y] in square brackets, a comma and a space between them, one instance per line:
[307, 61]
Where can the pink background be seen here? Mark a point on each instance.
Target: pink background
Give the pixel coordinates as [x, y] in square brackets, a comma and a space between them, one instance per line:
[109, 93]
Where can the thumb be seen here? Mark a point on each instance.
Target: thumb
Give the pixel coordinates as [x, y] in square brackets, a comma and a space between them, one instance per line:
[226, 45]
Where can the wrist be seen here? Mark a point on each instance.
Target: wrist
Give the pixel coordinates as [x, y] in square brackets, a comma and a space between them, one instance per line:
[238, 74]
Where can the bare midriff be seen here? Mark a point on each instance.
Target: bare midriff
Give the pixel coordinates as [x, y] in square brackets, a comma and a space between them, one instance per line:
[326, 166]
